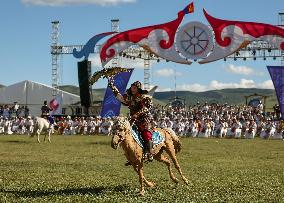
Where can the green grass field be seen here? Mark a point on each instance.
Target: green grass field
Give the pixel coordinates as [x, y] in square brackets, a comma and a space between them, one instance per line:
[87, 169]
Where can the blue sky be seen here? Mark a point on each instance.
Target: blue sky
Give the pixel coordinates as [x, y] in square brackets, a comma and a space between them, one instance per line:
[26, 38]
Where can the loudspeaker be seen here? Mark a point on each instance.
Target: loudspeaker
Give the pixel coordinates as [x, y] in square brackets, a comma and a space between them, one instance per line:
[84, 73]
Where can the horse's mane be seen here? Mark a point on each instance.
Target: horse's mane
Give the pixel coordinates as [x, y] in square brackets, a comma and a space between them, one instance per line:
[122, 121]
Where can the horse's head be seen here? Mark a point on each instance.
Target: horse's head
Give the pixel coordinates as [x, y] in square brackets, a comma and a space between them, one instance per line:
[119, 131]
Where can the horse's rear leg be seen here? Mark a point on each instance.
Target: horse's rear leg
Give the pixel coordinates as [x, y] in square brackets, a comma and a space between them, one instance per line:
[160, 157]
[172, 154]
[47, 138]
[148, 183]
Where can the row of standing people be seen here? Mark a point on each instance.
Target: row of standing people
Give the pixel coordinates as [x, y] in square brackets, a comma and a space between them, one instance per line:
[221, 128]
[85, 126]
[184, 127]
[64, 126]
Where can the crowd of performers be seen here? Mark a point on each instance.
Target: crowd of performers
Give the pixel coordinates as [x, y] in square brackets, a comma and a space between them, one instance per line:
[63, 125]
[230, 121]
[196, 121]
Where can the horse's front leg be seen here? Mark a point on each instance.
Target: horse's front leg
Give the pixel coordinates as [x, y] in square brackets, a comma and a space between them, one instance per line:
[38, 133]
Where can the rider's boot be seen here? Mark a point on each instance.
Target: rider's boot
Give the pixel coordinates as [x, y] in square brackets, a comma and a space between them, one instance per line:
[148, 150]
[127, 163]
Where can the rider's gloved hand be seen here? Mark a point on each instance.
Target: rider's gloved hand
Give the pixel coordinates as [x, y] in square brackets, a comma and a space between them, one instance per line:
[110, 82]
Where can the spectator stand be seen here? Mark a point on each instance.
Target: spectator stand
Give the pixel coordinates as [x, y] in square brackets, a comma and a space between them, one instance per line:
[260, 97]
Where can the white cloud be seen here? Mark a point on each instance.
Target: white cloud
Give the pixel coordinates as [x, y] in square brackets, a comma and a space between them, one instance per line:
[166, 72]
[268, 84]
[74, 2]
[216, 85]
[163, 89]
[192, 87]
[244, 83]
[242, 70]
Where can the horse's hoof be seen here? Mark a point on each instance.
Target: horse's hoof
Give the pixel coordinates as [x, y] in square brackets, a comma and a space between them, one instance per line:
[186, 181]
[175, 180]
[152, 184]
[142, 193]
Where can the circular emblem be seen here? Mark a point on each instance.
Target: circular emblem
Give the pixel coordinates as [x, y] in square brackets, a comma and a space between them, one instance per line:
[194, 40]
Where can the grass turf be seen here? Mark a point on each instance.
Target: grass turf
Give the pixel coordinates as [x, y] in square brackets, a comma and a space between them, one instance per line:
[87, 169]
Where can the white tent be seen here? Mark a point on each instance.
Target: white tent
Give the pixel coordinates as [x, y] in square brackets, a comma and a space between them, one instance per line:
[32, 94]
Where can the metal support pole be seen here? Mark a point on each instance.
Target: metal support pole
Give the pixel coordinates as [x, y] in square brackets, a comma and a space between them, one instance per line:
[55, 56]
[115, 28]
[147, 74]
[281, 24]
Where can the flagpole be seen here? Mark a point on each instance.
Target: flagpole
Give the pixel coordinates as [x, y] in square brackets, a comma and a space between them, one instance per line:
[27, 87]
[175, 85]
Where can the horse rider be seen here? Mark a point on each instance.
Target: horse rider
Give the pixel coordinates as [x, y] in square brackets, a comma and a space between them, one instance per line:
[45, 110]
[139, 105]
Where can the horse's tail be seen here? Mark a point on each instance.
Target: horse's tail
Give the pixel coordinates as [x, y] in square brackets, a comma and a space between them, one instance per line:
[175, 138]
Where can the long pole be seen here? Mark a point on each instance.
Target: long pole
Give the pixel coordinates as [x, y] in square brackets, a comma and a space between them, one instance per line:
[175, 85]
[27, 87]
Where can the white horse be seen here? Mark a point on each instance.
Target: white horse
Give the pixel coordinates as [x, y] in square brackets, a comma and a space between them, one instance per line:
[40, 125]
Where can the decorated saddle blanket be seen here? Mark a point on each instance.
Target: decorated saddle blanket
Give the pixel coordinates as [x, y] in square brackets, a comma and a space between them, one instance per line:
[157, 137]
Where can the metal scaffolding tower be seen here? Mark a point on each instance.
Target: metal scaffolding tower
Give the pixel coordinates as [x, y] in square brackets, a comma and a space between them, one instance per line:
[115, 28]
[55, 56]
[116, 61]
[115, 25]
[147, 73]
[281, 24]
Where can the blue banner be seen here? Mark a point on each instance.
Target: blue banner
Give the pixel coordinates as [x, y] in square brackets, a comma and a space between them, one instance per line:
[111, 106]
[277, 76]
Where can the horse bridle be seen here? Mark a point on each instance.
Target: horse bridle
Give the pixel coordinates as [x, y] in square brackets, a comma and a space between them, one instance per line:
[122, 138]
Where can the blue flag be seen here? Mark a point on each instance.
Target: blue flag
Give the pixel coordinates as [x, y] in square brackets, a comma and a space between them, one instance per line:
[277, 76]
[111, 106]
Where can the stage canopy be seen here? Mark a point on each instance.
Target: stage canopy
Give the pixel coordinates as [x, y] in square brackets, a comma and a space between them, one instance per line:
[33, 94]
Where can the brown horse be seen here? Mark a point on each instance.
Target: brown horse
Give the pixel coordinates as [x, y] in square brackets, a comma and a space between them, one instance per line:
[121, 132]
